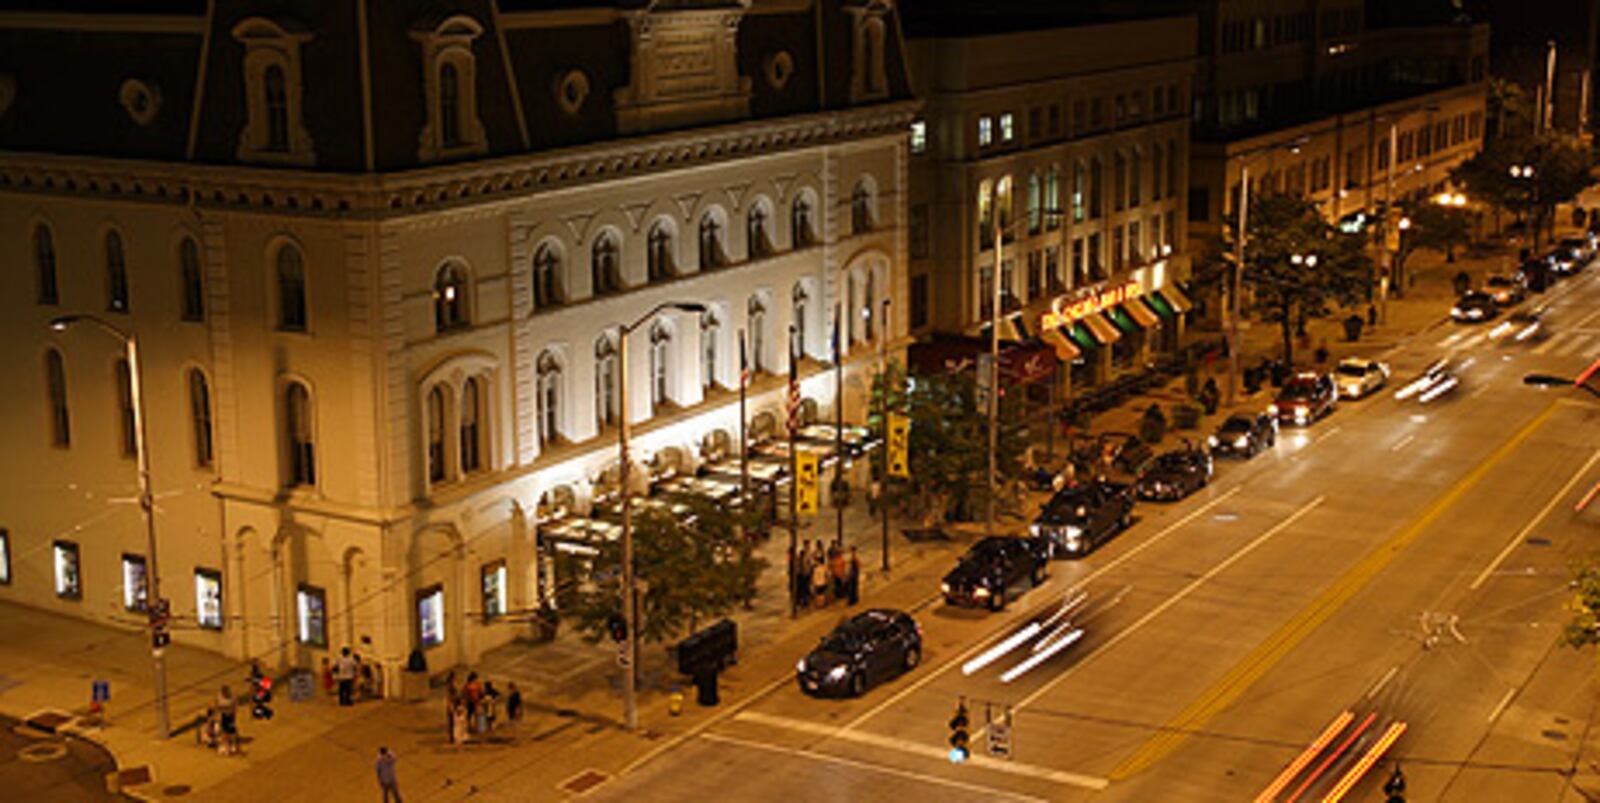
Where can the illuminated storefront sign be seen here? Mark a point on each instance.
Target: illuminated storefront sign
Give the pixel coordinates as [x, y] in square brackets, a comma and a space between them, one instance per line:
[1063, 312]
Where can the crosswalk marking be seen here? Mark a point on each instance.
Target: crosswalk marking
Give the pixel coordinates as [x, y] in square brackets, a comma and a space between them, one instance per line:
[1568, 344]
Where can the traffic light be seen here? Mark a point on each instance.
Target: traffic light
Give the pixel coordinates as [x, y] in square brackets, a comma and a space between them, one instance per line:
[618, 627]
[958, 734]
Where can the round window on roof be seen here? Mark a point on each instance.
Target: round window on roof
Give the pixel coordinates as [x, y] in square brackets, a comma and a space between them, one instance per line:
[780, 67]
[141, 100]
[572, 89]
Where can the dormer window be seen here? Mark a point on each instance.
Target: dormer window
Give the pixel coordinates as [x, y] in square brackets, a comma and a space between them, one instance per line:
[868, 80]
[451, 127]
[274, 126]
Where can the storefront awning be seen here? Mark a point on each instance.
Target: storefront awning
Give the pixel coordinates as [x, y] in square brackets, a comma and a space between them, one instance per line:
[1103, 331]
[1141, 314]
[1079, 335]
[1058, 340]
[1121, 320]
[1173, 296]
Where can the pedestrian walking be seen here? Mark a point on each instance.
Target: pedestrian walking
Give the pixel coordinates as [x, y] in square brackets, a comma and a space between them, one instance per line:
[388, 781]
[513, 706]
[344, 671]
[458, 721]
[472, 695]
[227, 722]
[491, 701]
[853, 578]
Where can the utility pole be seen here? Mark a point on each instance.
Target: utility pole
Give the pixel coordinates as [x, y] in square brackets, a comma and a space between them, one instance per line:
[883, 421]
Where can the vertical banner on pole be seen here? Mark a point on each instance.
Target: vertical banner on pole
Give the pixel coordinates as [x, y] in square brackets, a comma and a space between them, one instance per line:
[899, 445]
[806, 481]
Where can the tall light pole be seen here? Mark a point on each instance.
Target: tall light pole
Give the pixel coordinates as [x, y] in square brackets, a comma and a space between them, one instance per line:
[883, 421]
[130, 345]
[630, 599]
[1235, 291]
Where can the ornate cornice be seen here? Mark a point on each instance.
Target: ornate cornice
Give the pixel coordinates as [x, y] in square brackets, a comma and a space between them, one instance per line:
[411, 192]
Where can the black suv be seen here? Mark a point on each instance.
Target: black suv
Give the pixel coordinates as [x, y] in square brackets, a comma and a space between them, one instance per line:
[1174, 475]
[1306, 397]
[991, 567]
[1244, 435]
[1080, 517]
[863, 650]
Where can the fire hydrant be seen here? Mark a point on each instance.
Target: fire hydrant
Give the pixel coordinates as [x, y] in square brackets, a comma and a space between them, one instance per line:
[675, 701]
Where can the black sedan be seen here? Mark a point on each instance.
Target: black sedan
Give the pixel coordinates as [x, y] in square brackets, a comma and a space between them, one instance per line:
[1174, 475]
[989, 569]
[1245, 435]
[863, 650]
[1474, 306]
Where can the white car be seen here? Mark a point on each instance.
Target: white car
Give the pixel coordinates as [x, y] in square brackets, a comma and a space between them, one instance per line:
[1358, 377]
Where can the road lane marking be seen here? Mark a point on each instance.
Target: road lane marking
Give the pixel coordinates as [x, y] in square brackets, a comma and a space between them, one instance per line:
[985, 791]
[1383, 681]
[1504, 701]
[1479, 392]
[1549, 343]
[1450, 340]
[921, 749]
[1171, 601]
[1401, 444]
[702, 727]
[1483, 576]
[1269, 652]
[1092, 576]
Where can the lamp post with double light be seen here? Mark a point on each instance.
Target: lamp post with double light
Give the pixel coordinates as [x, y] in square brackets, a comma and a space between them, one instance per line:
[630, 599]
[141, 448]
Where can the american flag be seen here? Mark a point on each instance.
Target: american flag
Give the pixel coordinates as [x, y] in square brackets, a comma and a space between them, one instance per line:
[792, 403]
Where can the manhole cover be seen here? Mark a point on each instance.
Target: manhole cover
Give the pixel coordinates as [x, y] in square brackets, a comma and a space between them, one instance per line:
[584, 781]
[42, 752]
[48, 721]
[1553, 734]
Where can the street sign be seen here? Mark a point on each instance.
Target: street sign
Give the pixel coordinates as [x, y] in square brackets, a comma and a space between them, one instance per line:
[1000, 739]
[806, 481]
[899, 445]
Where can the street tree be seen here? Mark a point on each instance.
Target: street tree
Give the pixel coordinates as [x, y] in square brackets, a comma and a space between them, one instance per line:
[1432, 226]
[1561, 168]
[692, 568]
[1297, 266]
[1583, 628]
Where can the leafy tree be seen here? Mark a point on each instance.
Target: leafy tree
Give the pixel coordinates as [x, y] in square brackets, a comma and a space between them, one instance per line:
[1583, 628]
[1562, 168]
[1431, 226]
[1296, 265]
[694, 568]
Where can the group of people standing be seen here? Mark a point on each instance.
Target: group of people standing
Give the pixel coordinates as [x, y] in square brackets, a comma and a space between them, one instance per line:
[472, 708]
[350, 677]
[819, 574]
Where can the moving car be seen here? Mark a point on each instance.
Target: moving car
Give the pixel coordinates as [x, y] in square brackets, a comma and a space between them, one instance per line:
[863, 650]
[991, 567]
[1244, 434]
[1505, 290]
[1359, 377]
[1080, 517]
[1306, 397]
[1474, 306]
[1175, 474]
[1579, 250]
[1435, 381]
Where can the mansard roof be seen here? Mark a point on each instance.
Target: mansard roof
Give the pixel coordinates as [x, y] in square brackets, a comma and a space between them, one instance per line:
[65, 68]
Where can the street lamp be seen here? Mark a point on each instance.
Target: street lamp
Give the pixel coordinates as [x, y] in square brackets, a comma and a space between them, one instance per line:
[630, 600]
[1292, 146]
[130, 345]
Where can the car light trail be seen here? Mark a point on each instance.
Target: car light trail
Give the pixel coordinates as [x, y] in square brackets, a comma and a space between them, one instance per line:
[1050, 639]
[993, 654]
[1312, 750]
[1500, 330]
[1528, 332]
[1438, 389]
[1361, 767]
[1038, 658]
[1333, 756]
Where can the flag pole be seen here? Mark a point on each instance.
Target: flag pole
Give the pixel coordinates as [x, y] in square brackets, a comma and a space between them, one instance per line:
[793, 403]
[838, 428]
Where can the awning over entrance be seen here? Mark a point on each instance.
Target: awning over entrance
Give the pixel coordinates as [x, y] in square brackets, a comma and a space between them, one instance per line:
[1064, 348]
[1175, 298]
[1141, 314]
[1104, 333]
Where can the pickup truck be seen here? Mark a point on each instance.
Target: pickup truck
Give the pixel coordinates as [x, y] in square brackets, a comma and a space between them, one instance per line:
[991, 567]
[1082, 516]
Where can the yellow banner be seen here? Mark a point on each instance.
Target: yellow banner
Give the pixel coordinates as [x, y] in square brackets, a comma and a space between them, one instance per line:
[899, 445]
[806, 481]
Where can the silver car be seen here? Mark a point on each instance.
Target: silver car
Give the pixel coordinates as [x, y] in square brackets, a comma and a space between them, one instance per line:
[1358, 377]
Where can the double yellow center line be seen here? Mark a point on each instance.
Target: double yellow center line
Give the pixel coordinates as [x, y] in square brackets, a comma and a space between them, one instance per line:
[1269, 652]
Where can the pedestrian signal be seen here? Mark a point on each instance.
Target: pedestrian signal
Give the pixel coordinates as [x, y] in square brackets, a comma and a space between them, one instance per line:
[959, 737]
[618, 628]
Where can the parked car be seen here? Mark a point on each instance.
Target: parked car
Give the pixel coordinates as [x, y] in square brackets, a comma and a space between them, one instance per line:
[1579, 249]
[1474, 306]
[1535, 275]
[1306, 397]
[1175, 474]
[1359, 377]
[1561, 261]
[991, 567]
[1505, 290]
[1245, 435]
[862, 651]
[1082, 516]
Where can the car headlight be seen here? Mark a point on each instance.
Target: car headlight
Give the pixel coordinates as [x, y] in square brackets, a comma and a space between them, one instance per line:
[1035, 530]
[1300, 413]
[980, 592]
[800, 665]
[1272, 409]
[1474, 313]
[944, 588]
[1241, 442]
[838, 672]
[1212, 440]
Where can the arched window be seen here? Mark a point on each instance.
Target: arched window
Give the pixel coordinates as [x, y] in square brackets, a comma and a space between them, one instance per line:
[660, 342]
[194, 294]
[55, 379]
[605, 381]
[658, 258]
[291, 290]
[449, 105]
[437, 471]
[872, 77]
[44, 261]
[801, 230]
[758, 241]
[116, 274]
[277, 105]
[710, 330]
[801, 299]
[712, 255]
[758, 334]
[546, 277]
[607, 279]
[298, 437]
[450, 298]
[473, 415]
[200, 417]
[861, 208]
[549, 370]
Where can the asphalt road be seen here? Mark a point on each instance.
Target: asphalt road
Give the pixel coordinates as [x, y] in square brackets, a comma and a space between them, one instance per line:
[51, 769]
[1404, 559]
